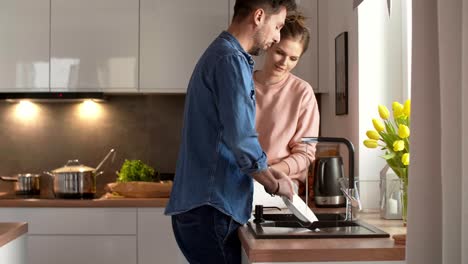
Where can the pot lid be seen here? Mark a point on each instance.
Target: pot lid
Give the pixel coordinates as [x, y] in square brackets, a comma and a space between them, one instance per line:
[73, 166]
[28, 175]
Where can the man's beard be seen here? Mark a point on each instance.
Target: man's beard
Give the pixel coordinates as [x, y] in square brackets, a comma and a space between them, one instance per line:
[255, 51]
[257, 48]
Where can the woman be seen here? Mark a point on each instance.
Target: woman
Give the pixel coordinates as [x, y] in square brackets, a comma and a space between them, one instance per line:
[286, 106]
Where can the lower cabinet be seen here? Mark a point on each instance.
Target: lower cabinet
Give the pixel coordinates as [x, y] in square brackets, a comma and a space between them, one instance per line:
[156, 242]
[75, 249]
[14, 252]
[97, 235]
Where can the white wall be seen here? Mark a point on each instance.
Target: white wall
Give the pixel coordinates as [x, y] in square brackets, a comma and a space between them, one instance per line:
[376, 72]
[450, 41]
[464, 108]
[381, 76]
[336, 16]
[407, 31]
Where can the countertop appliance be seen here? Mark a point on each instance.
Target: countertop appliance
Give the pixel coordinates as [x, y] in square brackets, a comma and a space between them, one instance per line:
[328, 170]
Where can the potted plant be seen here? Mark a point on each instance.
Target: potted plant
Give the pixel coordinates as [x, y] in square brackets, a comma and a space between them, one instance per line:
[393, 136]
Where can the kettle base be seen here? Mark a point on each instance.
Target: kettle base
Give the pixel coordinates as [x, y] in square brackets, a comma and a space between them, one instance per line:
[330, 201]
[330, 205]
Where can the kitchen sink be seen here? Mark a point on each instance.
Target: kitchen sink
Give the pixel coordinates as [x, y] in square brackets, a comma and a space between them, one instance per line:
[291, 217]
[273, 226]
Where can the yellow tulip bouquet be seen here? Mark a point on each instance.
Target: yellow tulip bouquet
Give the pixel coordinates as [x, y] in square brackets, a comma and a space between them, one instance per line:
[393, 137]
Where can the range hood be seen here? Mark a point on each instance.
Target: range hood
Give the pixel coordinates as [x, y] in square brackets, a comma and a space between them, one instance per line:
[53, 96]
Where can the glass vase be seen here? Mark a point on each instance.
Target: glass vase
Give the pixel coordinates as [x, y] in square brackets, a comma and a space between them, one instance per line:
[390, 194]
[404, 200]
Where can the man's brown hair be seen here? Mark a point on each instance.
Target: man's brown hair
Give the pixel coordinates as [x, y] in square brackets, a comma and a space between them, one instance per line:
[243, 8]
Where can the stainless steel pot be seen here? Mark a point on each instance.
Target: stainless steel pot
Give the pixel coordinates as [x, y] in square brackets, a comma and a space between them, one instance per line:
[27, 184]
[76, 181]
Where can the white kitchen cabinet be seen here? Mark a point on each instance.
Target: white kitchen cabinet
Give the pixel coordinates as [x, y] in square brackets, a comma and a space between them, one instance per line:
[78, 235]
[231, 9]
[97, 235]
[125, 46]
[155, 238]
[173, 36]
[14, 252]
[24, 45]
[307, 68]
[94, 45]
[82, 249]
[76, 221]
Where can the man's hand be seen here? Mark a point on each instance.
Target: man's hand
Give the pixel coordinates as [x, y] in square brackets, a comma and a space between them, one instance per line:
[286, 186]
[275, 182]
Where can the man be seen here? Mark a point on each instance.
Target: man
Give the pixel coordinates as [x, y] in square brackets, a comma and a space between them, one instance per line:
[220, 153]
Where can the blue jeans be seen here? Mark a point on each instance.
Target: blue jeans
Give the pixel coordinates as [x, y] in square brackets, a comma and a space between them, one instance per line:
[205, 236]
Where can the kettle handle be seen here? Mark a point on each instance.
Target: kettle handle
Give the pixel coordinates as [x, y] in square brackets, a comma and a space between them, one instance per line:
[321, 165]
[8, 178]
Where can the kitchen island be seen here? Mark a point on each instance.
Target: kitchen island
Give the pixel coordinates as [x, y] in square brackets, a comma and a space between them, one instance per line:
[13, 243]
[350, 250]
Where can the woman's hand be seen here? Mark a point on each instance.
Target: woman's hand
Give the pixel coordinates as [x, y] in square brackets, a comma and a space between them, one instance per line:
[281, 166]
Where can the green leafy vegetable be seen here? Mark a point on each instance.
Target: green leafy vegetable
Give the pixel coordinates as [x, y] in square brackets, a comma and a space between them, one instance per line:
[136, 170]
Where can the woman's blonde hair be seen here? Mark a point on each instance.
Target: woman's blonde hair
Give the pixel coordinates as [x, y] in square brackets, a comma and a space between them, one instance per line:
[296, 29]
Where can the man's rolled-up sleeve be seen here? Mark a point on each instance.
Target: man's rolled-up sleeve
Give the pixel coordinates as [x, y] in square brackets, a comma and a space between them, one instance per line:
[235, 99]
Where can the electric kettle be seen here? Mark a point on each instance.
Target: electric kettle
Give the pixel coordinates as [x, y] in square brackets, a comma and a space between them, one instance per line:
[326, 185]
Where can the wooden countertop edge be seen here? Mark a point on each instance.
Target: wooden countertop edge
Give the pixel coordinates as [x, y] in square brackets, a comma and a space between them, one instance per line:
[11, 231]
[337, 250]
[318, 255]
[115, 202]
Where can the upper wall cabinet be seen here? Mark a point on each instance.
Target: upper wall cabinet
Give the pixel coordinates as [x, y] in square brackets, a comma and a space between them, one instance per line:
[307, 68]
[24, 45]
[173, 36]
[94, 45]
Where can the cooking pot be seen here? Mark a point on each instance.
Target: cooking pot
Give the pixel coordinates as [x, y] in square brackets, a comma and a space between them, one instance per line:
[75, 180]
[27, 184]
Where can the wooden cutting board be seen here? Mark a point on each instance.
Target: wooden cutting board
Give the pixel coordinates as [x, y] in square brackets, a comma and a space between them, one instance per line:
[141, 189]
[400, 239]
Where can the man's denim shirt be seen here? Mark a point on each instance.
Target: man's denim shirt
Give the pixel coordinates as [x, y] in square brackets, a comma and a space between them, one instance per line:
[219, 144]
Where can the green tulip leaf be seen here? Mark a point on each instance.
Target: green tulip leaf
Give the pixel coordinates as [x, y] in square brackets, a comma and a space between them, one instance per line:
[388, 156]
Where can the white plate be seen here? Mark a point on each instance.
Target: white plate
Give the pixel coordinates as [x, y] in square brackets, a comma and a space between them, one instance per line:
[300, 209]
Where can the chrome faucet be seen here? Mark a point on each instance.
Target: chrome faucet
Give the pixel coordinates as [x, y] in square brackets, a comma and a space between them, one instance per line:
[352, 201]
[351, 194]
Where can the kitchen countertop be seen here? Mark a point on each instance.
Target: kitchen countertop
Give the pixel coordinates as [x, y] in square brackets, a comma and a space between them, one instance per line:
[328, 249]
[257, 250]
[102, 202]
[11, 231]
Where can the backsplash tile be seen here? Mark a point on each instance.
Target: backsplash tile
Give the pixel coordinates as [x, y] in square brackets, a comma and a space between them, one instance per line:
[145, 127]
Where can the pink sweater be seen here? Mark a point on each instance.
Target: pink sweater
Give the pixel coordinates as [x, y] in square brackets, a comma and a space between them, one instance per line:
[286, 112]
